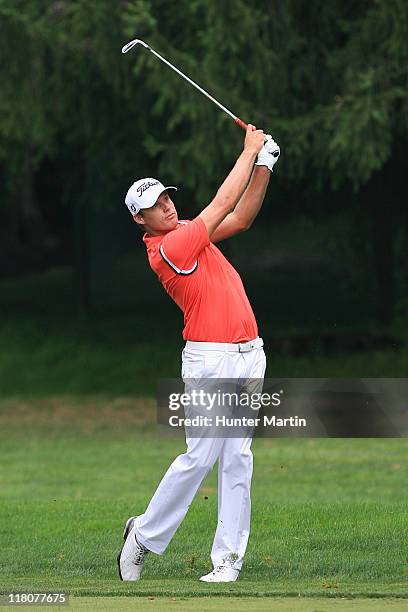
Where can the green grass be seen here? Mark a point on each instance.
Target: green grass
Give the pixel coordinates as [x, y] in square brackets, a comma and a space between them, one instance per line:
[329, 516]
[241, 604]
[222, 603]
[289, 604]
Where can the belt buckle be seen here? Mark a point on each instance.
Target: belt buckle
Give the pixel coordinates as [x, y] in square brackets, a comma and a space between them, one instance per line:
[246, 346]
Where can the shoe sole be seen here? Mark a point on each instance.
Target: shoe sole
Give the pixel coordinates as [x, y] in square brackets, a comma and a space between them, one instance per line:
[128, 526]
[219, 581]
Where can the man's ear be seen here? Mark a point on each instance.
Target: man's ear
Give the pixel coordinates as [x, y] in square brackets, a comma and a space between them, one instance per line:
[139, 219]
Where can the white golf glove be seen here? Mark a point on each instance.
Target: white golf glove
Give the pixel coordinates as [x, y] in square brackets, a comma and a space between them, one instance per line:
[269, 154]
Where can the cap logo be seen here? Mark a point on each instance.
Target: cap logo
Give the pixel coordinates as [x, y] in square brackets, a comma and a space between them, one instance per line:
[145, 186]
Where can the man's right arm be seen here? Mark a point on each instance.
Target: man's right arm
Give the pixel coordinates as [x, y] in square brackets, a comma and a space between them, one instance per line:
[234, 185]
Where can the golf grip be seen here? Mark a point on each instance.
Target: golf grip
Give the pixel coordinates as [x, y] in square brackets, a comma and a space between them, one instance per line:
[241, 123]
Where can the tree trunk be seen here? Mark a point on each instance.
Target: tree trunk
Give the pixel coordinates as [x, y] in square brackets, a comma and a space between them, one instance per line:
[25, 237]
[380, 203]
[81, 257]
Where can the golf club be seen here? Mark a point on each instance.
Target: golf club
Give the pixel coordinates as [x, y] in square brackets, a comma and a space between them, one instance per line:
[137, 41]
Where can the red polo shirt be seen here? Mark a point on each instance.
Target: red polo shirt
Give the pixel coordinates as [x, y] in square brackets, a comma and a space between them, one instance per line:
[203, 284]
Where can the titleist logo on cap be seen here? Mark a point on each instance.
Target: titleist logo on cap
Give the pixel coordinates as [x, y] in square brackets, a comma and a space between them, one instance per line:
[145, 186]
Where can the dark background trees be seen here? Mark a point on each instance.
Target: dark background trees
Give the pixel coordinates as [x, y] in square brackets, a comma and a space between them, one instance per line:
[79, 121]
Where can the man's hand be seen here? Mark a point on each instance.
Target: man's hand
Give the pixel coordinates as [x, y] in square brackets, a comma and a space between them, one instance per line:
[254, 139]
[269, 154]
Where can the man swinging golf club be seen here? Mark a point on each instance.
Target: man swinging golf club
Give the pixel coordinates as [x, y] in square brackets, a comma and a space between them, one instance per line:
[222, 341]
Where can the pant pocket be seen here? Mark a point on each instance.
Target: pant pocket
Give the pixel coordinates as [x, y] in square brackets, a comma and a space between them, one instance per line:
[193, 364]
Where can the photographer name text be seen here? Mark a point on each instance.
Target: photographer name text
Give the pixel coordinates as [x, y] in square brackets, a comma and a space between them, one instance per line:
[224, 421]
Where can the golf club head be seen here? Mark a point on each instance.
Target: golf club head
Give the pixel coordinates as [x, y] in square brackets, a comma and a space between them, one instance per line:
[132, 44]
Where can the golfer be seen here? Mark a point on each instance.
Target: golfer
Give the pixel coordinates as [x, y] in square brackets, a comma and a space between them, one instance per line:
[222, 341]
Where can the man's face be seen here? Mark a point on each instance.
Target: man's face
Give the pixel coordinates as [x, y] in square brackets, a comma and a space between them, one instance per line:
[161, 217]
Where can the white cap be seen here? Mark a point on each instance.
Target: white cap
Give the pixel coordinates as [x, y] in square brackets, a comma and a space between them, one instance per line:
[143, 194]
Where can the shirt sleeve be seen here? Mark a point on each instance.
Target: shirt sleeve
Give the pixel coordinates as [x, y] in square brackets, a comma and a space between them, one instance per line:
[180, 248]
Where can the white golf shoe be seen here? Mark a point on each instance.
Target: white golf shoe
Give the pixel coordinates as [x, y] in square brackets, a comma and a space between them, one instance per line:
[222, 573]
[132, 554]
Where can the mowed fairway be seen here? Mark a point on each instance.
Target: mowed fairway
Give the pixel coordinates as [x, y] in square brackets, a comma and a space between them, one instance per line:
[210, 604]
[329, 516]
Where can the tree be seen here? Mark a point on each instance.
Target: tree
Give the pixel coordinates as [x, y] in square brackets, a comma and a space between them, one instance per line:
[328, 79]
[27, 126]
[337, 100]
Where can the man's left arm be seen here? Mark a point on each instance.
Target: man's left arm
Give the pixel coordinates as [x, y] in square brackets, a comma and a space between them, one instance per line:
[247, 208]
[251, 201]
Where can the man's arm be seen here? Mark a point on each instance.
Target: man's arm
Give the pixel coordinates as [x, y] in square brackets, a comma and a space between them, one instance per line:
[247, 208]
[233, 187]
[249, 205]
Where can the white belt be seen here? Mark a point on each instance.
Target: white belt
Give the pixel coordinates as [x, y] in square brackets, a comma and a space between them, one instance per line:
[242, 347]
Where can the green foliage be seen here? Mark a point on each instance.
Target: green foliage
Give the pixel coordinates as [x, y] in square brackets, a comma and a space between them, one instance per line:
[329, 80]
[27, 125]
[368, 117]
[337, 100]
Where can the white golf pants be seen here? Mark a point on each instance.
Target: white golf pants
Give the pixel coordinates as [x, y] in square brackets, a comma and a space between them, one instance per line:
[171, 501]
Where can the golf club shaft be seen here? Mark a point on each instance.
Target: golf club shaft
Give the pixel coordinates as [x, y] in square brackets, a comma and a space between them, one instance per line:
[132, 43]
